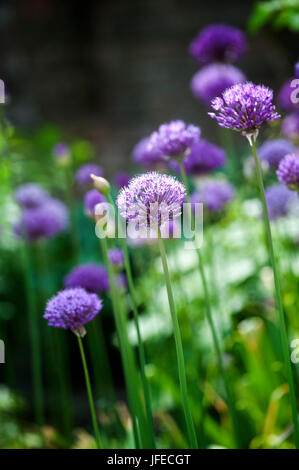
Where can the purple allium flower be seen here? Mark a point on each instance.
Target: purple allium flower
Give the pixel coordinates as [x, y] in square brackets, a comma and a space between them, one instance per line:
[44, 221]
[213, 79]
[218, 43]
[214, 195]
[147, 156]
[122, 179]
[272, 151]
[116, 256]
[31, 195]
[278, 199]
[288, 96]
[61, 153]
[290, 126]
[84, 172]
[72, 308]
[174, 139]
[92, 277]
[288, 171]
[151, 199]
[91, 199]
[203, 158]
[244, 107]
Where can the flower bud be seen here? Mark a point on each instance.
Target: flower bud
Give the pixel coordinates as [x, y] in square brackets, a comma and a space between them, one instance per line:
[101, 184]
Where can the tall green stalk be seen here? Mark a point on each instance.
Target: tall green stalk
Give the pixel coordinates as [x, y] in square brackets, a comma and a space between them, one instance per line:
[141, 352]
[89, 393]
[230, 399]
[38, 395]
[283, 328]
[179, 350]
[142, 435]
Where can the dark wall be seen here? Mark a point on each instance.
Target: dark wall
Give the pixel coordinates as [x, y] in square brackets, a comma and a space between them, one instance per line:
[112, 71]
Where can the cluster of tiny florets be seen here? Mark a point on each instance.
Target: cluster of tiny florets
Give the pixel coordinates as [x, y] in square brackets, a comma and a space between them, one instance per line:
[92, 277]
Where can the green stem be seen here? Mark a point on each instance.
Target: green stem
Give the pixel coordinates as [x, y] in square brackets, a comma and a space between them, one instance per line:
[283, 328]
[34, 337]
[179, 349]
[230, 399]
[89, 393]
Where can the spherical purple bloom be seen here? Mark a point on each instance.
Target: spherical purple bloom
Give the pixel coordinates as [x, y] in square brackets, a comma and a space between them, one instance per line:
[290, 126]
[72, 308]
[151, 199]
[214, 195]
[31, 195]
[203, 158]
[84, 172]
[274, 150]
[278, 198]
[244, 107]
[44, 221]
[92, 277]
[116, 256]
[213, 79]
[218, 43]
[147, 156]
[288, 171]
[91, 199]
[122, 179]
[288, 96]
[174, 139]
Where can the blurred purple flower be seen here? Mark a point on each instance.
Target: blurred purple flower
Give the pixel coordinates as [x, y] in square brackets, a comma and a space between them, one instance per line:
[116, 257]
[203, 158]
[218, 43]
[84, 172]
[213, 79]
[72, 309]
[288, 171]
[272, 151]
[214, 195]
[296, 70]
[61, 153]
[147, 156]
[91, 199]
[31, 195]
[44, 221]
[244, 107]
[174, 139]
[151, 199]
[278, 199]
[92, 277]
[290, 126]
[122, 179]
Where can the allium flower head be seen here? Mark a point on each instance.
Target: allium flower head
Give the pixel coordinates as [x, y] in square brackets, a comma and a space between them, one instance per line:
[91, 199]
[148, 156]
[44, 221]
[288, 171]
[151, 199]
[203, 158]
[290, 127]
[92, 277]
[213, 79]
[214, 195]
[122, 179]
[72, 308]
[279, 199]
[116, 257]
[272, 151]
[288, 96]
[174, 139]
[31, 195]
[218, 43]
[244, 107]
[84, 172]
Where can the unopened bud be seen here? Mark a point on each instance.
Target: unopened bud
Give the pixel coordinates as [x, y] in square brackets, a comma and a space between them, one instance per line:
[101, 184]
